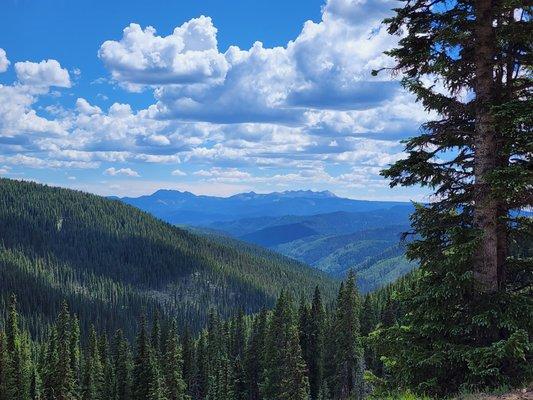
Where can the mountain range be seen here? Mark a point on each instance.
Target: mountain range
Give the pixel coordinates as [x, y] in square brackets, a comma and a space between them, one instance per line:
[187, 208]
[330, 233]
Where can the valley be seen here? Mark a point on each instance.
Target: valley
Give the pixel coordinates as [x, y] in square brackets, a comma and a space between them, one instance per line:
[329, 233]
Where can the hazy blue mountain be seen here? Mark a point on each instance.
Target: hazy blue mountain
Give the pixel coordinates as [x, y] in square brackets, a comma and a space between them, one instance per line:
[186, 208]
[330, 233]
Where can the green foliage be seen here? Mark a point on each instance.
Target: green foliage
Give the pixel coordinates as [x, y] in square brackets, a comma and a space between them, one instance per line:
[109, 261]
[466, 318]
[256, 357]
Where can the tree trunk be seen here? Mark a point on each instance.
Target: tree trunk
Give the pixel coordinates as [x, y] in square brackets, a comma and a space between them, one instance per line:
[487, 263]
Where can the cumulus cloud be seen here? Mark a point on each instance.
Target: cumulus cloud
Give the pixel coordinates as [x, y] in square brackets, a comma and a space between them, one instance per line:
[188, 55]
[308, 111]
[121, 171]
[83, 107]
[43, 74]
[326, 67]
[18, 118]
[4, 62]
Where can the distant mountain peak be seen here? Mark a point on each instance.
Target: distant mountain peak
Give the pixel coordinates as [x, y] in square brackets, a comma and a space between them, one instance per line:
[170, 192]
[308, 193]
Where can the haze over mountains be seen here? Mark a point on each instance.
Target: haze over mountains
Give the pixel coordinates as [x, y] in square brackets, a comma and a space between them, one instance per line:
[330, 233]
[187, 208]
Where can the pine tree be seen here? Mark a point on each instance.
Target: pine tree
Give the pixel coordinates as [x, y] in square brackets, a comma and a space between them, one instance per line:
[467, 318]
[18, 368]
[147, 382]
[348, 353]
[285, 370]
[108, 369]
[65, 380]
[176, 389]
[189, 364]
[238, 343]
[315, 350]
[255, 356]
[75, 356]
[51, 357]
[202, 370]
[123, 367]
[93, 380]
[4, 367]
[294, 384]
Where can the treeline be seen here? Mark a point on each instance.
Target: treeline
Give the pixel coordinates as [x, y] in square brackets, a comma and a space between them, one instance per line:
[308, 351]
[109, 260]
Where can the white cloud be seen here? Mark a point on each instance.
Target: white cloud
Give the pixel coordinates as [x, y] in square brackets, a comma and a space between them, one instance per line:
[178, 172]
[121, 171]
[83, 107]
[188, 55]
[4, 62]
[43, 74]
[328, 66]
[19, 120]
[261, 117]
[224, 175]
[41, 163]
[158, 140]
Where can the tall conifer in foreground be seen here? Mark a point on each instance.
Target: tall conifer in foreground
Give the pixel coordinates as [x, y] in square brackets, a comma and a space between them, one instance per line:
[123, 367]
[468, 315]
[348, 376]
[315, 362]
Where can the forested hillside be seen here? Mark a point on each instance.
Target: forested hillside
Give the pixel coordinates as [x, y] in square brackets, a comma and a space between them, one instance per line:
[110, 261]
[368, 243]
[306, 350]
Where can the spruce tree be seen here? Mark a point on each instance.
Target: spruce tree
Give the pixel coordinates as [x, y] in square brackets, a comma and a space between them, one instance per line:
[50, 360]
[147, 382]
[18, 368]
[93, 378]
[108, 368]
[255, 356]
[220, 368]
[123, 367]
[315, 349]
[285, 369]
[347, 380]
[468, 315]
[4, 367]
[65, 380]
[294, 384]
[189, 364]
[202, 368]
[75, 356]
[238, 342]
[175, 386]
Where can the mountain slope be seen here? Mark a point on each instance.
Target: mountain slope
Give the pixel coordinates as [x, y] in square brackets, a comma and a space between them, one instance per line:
[367, 242]
[110, 261]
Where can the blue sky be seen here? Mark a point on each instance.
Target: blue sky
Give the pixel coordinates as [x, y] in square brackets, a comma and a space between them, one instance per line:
[213, 97]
